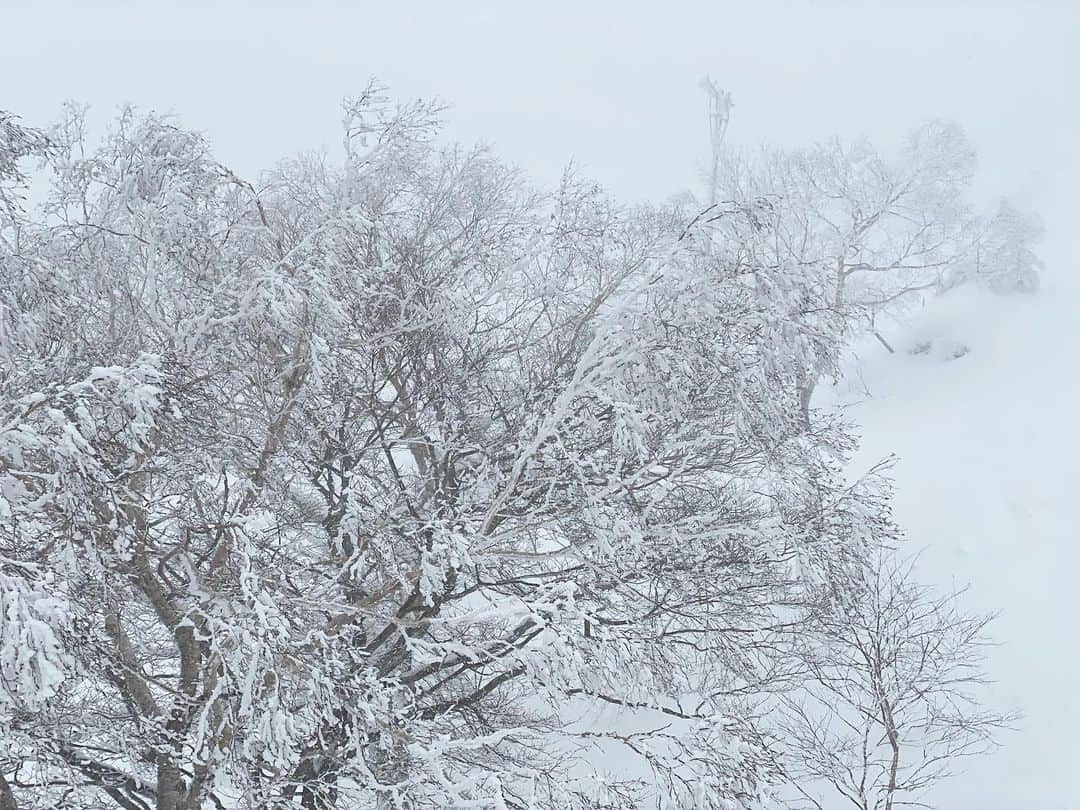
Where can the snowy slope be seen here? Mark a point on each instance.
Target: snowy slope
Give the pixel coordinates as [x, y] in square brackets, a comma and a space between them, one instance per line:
[987, 482]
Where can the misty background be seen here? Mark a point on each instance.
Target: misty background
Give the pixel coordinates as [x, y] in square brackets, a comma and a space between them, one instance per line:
[984, 479]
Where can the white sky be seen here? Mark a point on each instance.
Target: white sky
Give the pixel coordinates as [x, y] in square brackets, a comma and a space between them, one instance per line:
[612, 85]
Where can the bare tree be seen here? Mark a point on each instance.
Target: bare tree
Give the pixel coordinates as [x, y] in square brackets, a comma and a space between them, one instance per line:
[895, 694]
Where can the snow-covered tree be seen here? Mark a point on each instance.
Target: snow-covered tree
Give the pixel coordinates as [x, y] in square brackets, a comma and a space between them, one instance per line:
[402, 484]
[890, 228]
[16, 143]
[1002, 256]
[887, 227]
[877, 232]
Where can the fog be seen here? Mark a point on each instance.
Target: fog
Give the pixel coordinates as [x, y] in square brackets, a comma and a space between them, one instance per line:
[613, 88]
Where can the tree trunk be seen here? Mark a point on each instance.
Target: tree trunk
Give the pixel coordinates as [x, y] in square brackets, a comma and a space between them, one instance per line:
[894, 744]
[170, 785]
[806, 385]
[390, 766]
[7, 797]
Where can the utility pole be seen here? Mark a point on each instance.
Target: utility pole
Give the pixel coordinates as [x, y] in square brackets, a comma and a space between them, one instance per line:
[719, 106]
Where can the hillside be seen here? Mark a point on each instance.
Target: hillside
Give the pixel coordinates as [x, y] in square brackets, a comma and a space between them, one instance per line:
[987, 445]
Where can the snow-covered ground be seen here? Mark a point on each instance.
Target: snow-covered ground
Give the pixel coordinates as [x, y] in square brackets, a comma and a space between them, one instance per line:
[988, 484]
